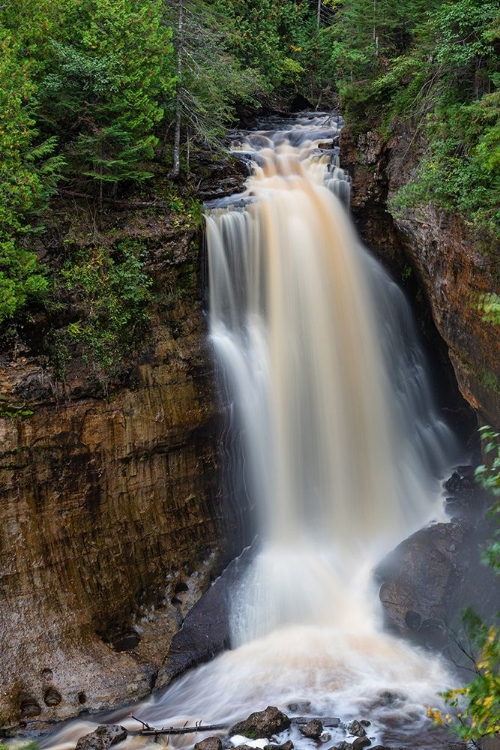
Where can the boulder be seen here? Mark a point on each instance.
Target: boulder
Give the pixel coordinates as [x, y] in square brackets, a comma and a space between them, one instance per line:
[102, 737]
[262, 724]
[418, 579]
[361, 742]
[313, 729]
[285, 746]
[210, 743]
[356, 728]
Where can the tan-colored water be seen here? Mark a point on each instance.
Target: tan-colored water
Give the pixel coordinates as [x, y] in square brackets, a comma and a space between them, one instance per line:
[341, 448]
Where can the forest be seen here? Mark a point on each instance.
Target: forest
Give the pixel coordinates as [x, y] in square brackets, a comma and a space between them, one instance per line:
[108, 97]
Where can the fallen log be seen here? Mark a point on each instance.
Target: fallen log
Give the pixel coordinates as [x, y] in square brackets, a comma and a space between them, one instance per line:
[148, 731]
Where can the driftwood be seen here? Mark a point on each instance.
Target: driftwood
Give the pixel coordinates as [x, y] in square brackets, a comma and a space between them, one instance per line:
[147, 730]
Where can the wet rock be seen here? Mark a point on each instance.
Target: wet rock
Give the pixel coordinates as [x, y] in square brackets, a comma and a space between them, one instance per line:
[357, 744]
[313, 729]
[361, 742]
[302, 706]
[205, 631]
[102, 737]
[327, 721]
[461, 485]
[210, 743]
[418, 579]
[285, 746]
[356, 728]
[262, 724]
[386, 698]
[325, 737]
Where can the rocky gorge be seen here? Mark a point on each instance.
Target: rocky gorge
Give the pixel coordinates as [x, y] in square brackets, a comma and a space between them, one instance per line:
[112, 519]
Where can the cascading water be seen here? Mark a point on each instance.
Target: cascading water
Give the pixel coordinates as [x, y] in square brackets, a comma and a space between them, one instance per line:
[322, 367]
[341, 449]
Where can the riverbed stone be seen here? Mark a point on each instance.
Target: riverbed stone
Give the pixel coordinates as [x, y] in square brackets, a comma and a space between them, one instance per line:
[356, 728]
[210, 743]
[285, 746]
[102, 738]
[313, 729]
[361, 742]
[262, 724]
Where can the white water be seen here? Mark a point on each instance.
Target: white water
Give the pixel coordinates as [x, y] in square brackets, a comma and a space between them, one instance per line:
[328, 386]
[342, 452]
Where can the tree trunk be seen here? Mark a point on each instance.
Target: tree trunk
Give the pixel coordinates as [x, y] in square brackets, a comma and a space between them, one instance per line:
[178, 119]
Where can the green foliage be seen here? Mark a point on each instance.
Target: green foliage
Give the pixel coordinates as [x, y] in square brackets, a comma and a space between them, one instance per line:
[111, 297]
[489, 305]
[488, 477]
[435, 65]
[270, 37]
[105, 89]
[211, 80]
[477, 704]
[28, 174]
[15, 412]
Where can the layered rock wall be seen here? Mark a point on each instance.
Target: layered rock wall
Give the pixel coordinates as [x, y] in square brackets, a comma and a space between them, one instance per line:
[455, 265]
[110, 515]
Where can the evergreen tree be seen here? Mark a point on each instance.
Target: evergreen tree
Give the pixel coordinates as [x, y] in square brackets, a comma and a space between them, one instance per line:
[104, 87]
[210, 80]
[27, 178]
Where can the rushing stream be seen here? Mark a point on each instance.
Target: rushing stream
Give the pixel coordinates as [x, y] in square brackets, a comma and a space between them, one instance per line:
[341, 451]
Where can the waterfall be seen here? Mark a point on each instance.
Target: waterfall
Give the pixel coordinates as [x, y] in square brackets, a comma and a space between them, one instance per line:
[328, 390]
[335, 442]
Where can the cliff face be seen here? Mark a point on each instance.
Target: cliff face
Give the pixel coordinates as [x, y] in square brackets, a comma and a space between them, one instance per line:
[110, 517]
[453, 264]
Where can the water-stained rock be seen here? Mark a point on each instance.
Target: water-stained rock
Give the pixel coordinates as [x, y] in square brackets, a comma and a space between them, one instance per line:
[108, 504]
[356, 728]
[419, 577]
[361, 742]
[262, 724]
[210, 743]
[312, 729]
[102, 738]
[288, 745]
[205, 631]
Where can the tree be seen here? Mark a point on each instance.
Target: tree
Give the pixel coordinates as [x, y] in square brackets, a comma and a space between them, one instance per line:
[209, 79]
[104, 89]
[27, 179]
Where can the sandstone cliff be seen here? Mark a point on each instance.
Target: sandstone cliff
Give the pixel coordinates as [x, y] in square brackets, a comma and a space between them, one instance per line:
[110, 514]
[454, 265]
